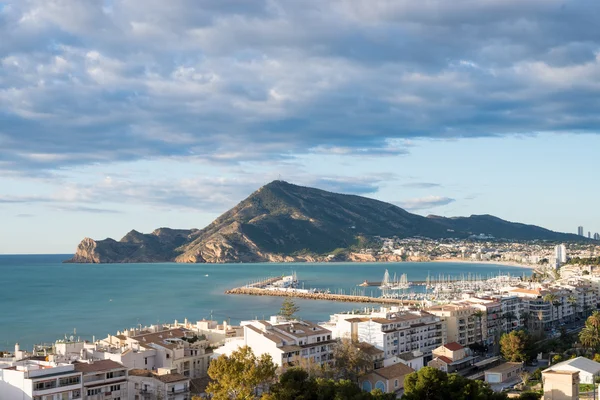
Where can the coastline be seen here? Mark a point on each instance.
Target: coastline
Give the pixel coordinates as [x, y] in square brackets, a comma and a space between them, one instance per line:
[463, 261]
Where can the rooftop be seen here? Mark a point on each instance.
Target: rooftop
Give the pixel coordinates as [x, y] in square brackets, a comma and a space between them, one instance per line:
[507, 366]
[394, 371]
[98, 366]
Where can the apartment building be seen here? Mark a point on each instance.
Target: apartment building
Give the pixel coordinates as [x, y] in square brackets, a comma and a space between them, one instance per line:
[460, 323]
[104, 379]
[289, 342]
[399, 332]
[174, 349]
[489, 318]
[162, 384]
[33, 379]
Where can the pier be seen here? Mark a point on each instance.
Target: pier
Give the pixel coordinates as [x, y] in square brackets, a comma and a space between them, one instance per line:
[249, 291]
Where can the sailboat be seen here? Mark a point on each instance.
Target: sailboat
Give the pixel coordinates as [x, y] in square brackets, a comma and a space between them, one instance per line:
[402, 283]
[385, 284]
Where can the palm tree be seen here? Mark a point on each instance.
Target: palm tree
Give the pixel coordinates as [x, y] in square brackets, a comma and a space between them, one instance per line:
[590, 334]
[572, 300]
[479, 315]
[553, 300]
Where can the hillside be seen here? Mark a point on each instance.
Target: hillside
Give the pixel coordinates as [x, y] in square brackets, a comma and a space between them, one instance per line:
[286, 222]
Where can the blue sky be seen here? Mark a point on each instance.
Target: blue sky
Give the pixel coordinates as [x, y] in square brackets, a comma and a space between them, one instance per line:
[131, 114]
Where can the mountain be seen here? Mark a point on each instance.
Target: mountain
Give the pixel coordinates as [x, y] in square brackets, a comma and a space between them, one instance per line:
[286, 222]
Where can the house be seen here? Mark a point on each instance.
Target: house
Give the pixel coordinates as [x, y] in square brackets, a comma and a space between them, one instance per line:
[104, 379]
[587, 368]
[450, 357]
[163, 384]
[387, 379]
[560, 384]
[503, 372]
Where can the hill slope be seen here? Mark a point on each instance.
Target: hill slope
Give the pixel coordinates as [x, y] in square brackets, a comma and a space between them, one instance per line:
[286, 222]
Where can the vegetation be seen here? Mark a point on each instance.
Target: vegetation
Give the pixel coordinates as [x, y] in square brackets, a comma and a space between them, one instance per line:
[584, 261]
[241, 376]
[432, 384]
[589, 337]
[517, 346]
[350, 361]
[288, 309]
[529, 395]
[296, 384]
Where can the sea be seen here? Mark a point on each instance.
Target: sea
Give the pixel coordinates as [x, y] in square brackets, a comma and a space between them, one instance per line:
[42, 299]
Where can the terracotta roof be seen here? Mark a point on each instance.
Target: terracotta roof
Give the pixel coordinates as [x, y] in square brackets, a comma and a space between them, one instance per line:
[445, 359]
[394, 371]
[97, 366]
[527, 291]
[453, 346]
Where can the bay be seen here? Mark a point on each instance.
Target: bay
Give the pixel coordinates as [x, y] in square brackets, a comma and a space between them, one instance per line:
[42, 299]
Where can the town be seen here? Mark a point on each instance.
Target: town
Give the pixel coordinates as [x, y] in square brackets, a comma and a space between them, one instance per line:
[521, 336]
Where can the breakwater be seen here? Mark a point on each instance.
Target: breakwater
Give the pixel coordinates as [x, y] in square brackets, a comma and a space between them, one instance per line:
[320, 296]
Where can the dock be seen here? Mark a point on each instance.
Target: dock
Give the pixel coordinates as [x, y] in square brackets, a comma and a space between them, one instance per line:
[344, 298]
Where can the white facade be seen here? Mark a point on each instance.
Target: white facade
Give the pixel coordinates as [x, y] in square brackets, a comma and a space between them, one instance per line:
[40, 380]
[290, 343]
[560, 254]
[146, 385]
[103, 380]
[588, 369]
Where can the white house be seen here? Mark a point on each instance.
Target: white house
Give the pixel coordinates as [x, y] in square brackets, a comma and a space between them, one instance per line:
[587, 368]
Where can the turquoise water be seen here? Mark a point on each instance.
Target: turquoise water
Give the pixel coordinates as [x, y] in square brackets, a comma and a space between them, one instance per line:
[42, 299]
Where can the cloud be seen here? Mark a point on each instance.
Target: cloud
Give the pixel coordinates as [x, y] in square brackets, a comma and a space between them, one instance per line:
[420, 185]
[360, 186]
[227, 82]
[424, 203]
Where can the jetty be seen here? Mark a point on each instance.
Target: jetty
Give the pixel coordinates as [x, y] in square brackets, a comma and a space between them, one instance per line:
[345, 298]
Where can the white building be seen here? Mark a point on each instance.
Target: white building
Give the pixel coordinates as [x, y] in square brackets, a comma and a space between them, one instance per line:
[104, 379]
[560, 254]
[175, 349]
[289, 343]
[40, 380]
[588, 369]
[148, 385]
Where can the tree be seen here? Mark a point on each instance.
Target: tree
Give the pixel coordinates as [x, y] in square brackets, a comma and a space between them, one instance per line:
[479, 315]
[572, 300]
[552, 299]
[288, 309]
[240, 376]
[530, 396]
[350, 360]
[589, 336]
[514, 346]
[432, 384]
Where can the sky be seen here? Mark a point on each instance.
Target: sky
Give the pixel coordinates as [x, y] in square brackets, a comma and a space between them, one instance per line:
[138, 114]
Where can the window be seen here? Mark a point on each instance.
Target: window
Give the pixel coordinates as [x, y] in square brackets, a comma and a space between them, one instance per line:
[92, 392]
[115, 388]
[146, 360]
[328, 337]
[76, 394]
[396, 383]
[71, 380]
[318, 338]
[110, 375]
[45, 385]
[168, 355]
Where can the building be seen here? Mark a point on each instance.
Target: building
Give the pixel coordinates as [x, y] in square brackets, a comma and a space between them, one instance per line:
[505, 372]
[174, 349]
[149, 385]
[104, 379]
[450, 357]
[397, 333]
[461, 323]
[596, 236]
[560, 254]
[35, 380]
[388, 379]
[289, 343]
[580, 230]
[560, 385]
[588, 369]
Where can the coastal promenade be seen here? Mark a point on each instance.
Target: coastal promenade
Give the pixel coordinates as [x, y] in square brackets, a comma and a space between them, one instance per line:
[320, 296]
